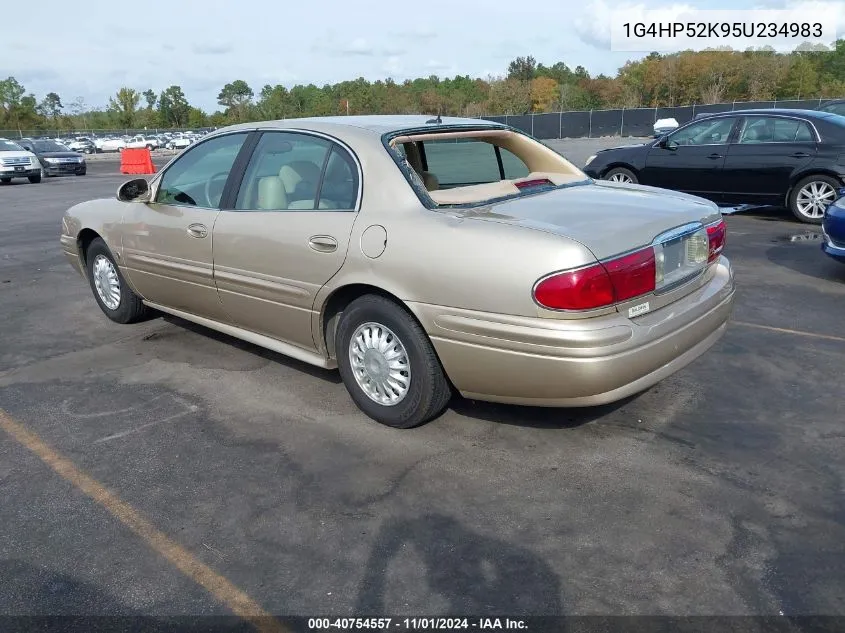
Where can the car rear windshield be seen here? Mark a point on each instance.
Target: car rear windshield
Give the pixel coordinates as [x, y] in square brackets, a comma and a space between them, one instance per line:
[8, 146]
[472, 166]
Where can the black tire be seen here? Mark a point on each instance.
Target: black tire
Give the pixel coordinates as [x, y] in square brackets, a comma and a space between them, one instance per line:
[5, 181]
[130, 309]
[34, 179]
[81, 173]
[429, 391]
[796, 190]
[621, 172]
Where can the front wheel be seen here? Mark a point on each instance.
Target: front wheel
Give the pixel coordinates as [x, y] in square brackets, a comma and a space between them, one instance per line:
[5, 181]
[621, 174]
[388, 364]
[811, 196]
[114, 296]
[34, 179]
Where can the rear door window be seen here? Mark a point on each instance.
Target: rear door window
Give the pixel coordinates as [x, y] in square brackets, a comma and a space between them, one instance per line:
[775, 130]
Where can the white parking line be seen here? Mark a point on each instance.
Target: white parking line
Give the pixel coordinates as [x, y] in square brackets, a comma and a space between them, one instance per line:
[782, 330]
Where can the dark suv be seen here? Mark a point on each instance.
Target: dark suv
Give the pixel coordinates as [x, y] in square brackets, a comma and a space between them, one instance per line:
[55, 158]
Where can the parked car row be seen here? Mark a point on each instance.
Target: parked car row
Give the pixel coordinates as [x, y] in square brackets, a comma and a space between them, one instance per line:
[116, 143]
[35, 159]
[777, 157]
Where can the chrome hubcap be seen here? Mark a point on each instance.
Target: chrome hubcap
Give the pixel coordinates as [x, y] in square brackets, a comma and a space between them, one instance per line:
[620, 178]
[814, 198]
[380, 364]
[106, 282]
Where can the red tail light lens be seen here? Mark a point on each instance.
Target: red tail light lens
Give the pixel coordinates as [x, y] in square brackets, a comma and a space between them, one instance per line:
[717, 235]
[633, 275]
[599, 285]
[582, 289]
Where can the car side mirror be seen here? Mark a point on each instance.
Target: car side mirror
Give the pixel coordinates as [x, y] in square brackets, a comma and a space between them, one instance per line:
[669, 144]
[137, 190]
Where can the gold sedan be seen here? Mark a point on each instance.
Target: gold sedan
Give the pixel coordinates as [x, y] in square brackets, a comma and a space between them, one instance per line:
[418, 256]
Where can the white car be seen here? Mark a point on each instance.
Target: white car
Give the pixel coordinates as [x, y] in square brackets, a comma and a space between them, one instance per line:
[81, 144]
[110, 144]
[180, 142]
[16, 162]
[138, 142]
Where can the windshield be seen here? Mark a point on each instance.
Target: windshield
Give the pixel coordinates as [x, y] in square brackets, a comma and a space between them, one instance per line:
[8, 146]
[49, 146]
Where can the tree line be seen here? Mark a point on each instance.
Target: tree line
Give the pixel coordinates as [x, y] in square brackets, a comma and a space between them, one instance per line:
[658, 80]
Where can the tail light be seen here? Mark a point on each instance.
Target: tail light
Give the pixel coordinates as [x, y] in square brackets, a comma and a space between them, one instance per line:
[717, 234]
[674, 258]
[599, 285]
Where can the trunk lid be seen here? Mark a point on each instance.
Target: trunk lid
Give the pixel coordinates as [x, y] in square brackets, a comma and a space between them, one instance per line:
[607, 218]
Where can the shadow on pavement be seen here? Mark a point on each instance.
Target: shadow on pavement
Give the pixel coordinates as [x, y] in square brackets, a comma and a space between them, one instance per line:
[471, 573]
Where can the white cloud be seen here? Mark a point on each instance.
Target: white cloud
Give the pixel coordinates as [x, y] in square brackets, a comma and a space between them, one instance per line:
[594, 21]
[392, 66]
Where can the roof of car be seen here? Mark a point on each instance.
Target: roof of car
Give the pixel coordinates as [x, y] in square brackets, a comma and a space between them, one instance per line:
[380, 123]
[781, 111]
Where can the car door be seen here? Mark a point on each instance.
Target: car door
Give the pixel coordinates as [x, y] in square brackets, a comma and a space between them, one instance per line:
[763, 157]
[691, 158]
[287, 233]
[167, 243]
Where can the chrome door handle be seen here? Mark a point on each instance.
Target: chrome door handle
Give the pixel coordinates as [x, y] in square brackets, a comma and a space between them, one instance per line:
[323, 243]
[800, 155]
[714, 156]
[197, 230]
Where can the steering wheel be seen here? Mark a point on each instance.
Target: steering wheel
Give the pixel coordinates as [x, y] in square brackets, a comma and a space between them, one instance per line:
[216, 178]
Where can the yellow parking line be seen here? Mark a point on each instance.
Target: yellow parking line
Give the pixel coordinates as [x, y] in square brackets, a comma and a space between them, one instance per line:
[782, 330]
[227, 593]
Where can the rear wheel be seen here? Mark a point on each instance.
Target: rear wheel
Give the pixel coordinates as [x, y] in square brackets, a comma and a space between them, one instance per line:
[621, 174]
[114, 296]
[388, 364]
[811, 196]
[34, 179]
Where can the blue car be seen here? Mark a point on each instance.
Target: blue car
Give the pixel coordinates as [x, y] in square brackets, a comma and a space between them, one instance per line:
[833, 227]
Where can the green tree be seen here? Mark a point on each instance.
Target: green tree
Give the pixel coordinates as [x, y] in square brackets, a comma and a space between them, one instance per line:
[125, 106]
[51, 106]
[11, 93]
[173, 107]
[522, 68]
[151, 98]
[801, 80]
[236, 98]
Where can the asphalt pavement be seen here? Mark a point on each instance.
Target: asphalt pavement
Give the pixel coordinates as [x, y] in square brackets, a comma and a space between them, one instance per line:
[162, 468]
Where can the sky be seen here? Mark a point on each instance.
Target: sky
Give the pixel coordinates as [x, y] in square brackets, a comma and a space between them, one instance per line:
[90, 48]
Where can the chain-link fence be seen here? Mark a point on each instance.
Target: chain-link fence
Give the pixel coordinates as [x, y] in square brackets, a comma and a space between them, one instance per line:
[637, 122]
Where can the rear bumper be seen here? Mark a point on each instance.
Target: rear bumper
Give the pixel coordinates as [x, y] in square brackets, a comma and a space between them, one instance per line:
[587, 362]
